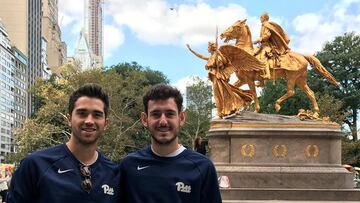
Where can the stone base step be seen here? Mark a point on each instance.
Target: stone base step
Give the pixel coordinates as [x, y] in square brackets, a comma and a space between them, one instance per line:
[246, 194]
[316, 177]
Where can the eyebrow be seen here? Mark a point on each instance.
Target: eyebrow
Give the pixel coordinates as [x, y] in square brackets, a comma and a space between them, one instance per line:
[165, 111]
[86, 110]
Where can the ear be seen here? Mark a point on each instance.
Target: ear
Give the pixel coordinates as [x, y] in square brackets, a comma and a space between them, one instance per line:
[68, 118]
[182, 118]
[143, 118]
[106, 122]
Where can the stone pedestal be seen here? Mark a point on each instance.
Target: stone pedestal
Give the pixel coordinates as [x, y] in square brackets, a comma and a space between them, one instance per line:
[268, 157]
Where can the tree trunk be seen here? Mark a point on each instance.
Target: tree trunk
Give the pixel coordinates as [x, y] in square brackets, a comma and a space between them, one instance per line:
[354, 126]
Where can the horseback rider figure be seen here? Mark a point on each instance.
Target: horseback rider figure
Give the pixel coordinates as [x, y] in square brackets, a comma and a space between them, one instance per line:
[274, 43]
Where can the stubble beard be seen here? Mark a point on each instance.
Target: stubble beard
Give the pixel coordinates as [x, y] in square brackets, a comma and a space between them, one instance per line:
[86, 142]
[166, 142]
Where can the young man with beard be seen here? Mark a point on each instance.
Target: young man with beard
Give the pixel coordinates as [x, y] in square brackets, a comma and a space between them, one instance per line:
[166, 171]
[75, 171]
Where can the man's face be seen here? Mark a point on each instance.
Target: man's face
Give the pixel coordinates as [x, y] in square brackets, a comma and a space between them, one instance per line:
[163, 120]
[87, 120]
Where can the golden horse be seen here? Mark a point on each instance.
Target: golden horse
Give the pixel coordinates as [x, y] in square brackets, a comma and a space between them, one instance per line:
[293, 66]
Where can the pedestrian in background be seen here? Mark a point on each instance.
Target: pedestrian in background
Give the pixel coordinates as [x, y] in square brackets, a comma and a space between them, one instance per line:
[3, 186]
[199, 146]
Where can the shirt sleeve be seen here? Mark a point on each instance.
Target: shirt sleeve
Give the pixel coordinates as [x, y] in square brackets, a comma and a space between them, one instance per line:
[210, 191]
[23, 187]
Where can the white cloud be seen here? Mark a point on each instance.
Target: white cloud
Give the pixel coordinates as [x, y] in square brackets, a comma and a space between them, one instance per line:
[182, 83]
[113, 39]
[347, 12]
[70, 12]
[307, 22]
[313, 30]
[159, 22]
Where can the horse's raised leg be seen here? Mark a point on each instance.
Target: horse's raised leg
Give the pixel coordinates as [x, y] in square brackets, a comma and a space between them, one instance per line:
[301, 82]
[289, 93]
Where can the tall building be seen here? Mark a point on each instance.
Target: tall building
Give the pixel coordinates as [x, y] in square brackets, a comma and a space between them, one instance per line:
[17, 28]
[46, 73]
[93, 24]
[83, 53]
[22, 20]
[55, 48]
[31, 24]
[34, 47]
[13, 94]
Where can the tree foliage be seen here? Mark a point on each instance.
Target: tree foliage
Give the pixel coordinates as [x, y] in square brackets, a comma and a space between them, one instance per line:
[350, 152]
[342, 58]
[331, 107]
[125, 83]
[198, 111]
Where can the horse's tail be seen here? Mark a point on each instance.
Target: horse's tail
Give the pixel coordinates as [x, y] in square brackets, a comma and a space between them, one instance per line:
[316, 64]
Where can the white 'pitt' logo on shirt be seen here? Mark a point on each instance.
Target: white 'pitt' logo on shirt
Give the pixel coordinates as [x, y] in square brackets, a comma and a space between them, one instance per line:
[181, 187]
[107, 189]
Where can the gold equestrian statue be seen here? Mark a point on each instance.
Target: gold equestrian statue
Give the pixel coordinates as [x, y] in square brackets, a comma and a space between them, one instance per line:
[277, 59]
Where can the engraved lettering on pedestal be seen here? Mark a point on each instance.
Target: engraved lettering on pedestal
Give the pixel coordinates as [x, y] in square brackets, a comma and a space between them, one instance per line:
[312, 151]
[248, 150]
[280, 151]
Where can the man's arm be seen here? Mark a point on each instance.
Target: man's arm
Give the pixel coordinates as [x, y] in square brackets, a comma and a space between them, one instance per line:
[210, 192]
[23, 187]
[264, 35]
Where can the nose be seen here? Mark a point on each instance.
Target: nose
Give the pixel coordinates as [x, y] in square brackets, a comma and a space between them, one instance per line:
[89, 120]
[163, 120]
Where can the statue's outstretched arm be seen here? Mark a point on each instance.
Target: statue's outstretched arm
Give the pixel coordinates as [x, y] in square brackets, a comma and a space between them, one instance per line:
[197, 54]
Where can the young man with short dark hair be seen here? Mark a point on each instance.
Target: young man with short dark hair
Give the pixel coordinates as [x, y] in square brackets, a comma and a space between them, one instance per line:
[75, 171]
[166, 172]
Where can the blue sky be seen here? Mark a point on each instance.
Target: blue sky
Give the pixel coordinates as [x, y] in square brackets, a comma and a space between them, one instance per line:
[154, 32]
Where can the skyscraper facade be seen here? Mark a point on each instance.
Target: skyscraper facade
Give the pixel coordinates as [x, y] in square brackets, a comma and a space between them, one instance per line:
[83, 53]
[22, 20]
[13, 91]
[55, 48]
[94, 28]
[33, 28]
[34, 47]
[17, 28]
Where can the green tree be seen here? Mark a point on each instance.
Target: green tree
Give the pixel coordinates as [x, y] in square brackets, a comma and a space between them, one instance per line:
[198, 111]
[332, 108]
[342, 58]
[135, 80]
[350, 152]
[125, 84]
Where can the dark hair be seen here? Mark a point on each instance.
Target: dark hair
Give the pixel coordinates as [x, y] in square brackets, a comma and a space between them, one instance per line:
[89, 90]
[162, 92]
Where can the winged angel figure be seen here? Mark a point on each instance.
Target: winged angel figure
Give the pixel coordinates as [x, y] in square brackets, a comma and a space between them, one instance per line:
[229, 99]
